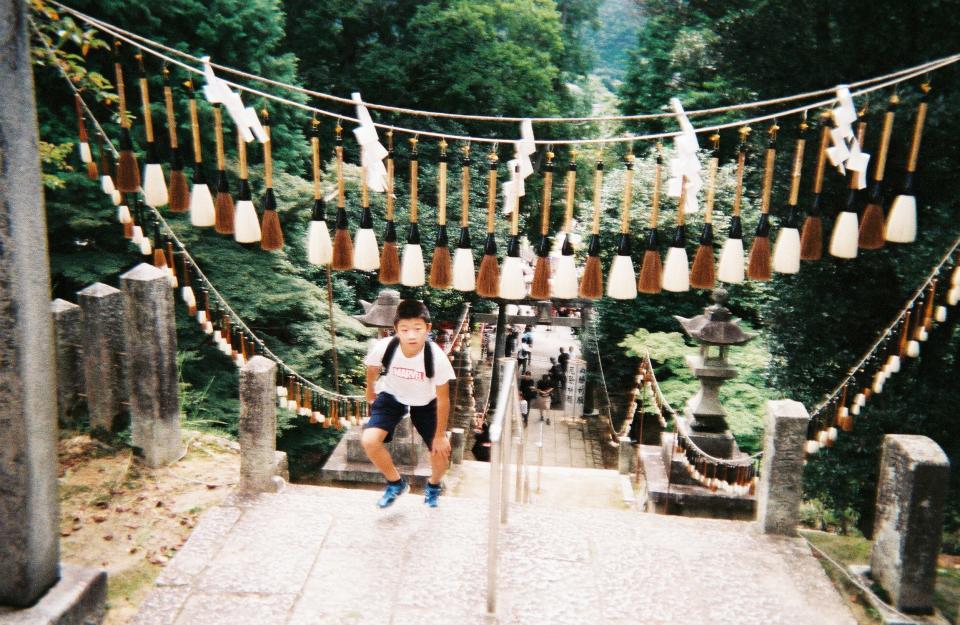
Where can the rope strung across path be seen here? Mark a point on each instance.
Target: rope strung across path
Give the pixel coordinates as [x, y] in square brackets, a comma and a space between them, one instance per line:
[486, 118]
[881, 83]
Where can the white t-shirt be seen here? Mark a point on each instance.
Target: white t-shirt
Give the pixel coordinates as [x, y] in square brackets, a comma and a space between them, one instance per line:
[407, 377]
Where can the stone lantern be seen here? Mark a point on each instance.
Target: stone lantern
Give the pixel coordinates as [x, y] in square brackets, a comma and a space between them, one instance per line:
[704, 419]
[381, 312]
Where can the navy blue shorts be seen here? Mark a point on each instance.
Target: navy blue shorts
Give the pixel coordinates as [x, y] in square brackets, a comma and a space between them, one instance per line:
[386, 412]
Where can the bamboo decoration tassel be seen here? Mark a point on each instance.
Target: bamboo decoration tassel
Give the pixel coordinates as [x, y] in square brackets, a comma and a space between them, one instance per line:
[786, 251]
[390, 256]
[412, 270]
[591, 284]
[128, 172]
[622, 279]
[154, 184]
[730, 269]
[106, 168]
[488, 278]
[441, 272]
[512, 285]
[171, 269]
[319, 246]
[811, 236]
[366, 252]
[540, 287]
[651, 271]
[179, 189]
[464, 274]
[901, 224]
[202, 212]
[187, 294]
[758, 264]
[702, 273]
[846, 229]
[676, 270]
[342, 243]
[270, 230]
[871, 222]
[565, 276]
[246, 224]
[83, 137]
[223, 206]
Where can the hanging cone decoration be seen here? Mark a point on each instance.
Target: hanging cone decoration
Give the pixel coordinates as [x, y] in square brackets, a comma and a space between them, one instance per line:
[565, 275]
[106, 168]
[651, 271]
[187, 293]
[246, 223]
[171, 270]
[390, 256]
[146, 248]
[622, 279]
[488, 278]
[758, 263]
[786, 251]
[224, 209]
[441, 271]
[540, 287]
[179, 189]
[591, 284]
[366, 252]
[676, 270]
[464, 274]
[202, 212]
[154, 184]
[512, 285]
[702, 273]
[319, 246]
[270, 230]
[159, 256]
[730, 269]
[136, 234]
[128, 172]
[901, 224]
[811, 236]
[342, 243]
[846, 230]
[86, 156]
[871, 223]
[412, 270]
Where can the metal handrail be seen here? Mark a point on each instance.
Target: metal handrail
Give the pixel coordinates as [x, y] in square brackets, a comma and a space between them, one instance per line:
[501, 440]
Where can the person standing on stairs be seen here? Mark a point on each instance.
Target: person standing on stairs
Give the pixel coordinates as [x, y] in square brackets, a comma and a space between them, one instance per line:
[406, 372]
[544, 390]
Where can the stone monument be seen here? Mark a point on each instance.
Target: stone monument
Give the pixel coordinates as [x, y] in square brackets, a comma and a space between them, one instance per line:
[716, 330]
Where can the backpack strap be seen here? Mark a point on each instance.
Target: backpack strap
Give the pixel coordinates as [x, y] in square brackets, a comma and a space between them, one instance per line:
[392, 349]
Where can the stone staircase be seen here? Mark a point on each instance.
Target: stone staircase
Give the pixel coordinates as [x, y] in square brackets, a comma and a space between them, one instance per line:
[315, 555]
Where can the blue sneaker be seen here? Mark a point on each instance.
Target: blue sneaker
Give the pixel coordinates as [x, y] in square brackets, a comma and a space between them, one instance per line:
[431, 495]
[391, 493]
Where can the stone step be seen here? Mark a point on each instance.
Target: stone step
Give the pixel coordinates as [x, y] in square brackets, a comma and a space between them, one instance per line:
[325, 555]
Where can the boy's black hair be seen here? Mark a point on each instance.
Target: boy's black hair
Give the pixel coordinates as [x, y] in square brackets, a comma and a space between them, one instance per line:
[412, 309]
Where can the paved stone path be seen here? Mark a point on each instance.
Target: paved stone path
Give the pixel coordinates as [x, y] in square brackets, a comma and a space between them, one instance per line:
[565, 443]
[313, 555]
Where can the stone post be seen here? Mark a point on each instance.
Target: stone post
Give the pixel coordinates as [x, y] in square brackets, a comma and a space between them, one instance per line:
[258, 425]
[67, 333]
[457, 442]
[103, 356]
[151, 344]
[778, 498]
[29, 510]
[911, 491]
[626, 463]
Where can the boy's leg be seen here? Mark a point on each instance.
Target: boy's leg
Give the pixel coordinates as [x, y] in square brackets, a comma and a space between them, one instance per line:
[385, 413]
[424, 419]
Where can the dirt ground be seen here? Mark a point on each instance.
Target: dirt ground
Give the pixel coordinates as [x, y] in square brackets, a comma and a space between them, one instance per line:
[118, 515]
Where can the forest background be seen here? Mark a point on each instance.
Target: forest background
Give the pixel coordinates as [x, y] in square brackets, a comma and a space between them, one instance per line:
[543, 58]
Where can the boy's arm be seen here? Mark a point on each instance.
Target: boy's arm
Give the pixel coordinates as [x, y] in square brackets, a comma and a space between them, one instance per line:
[440, 443]
[373, 374]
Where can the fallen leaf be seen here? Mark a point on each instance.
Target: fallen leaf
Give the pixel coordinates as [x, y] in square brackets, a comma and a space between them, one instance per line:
[99, 518]
[65, 533]
[108, 537]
